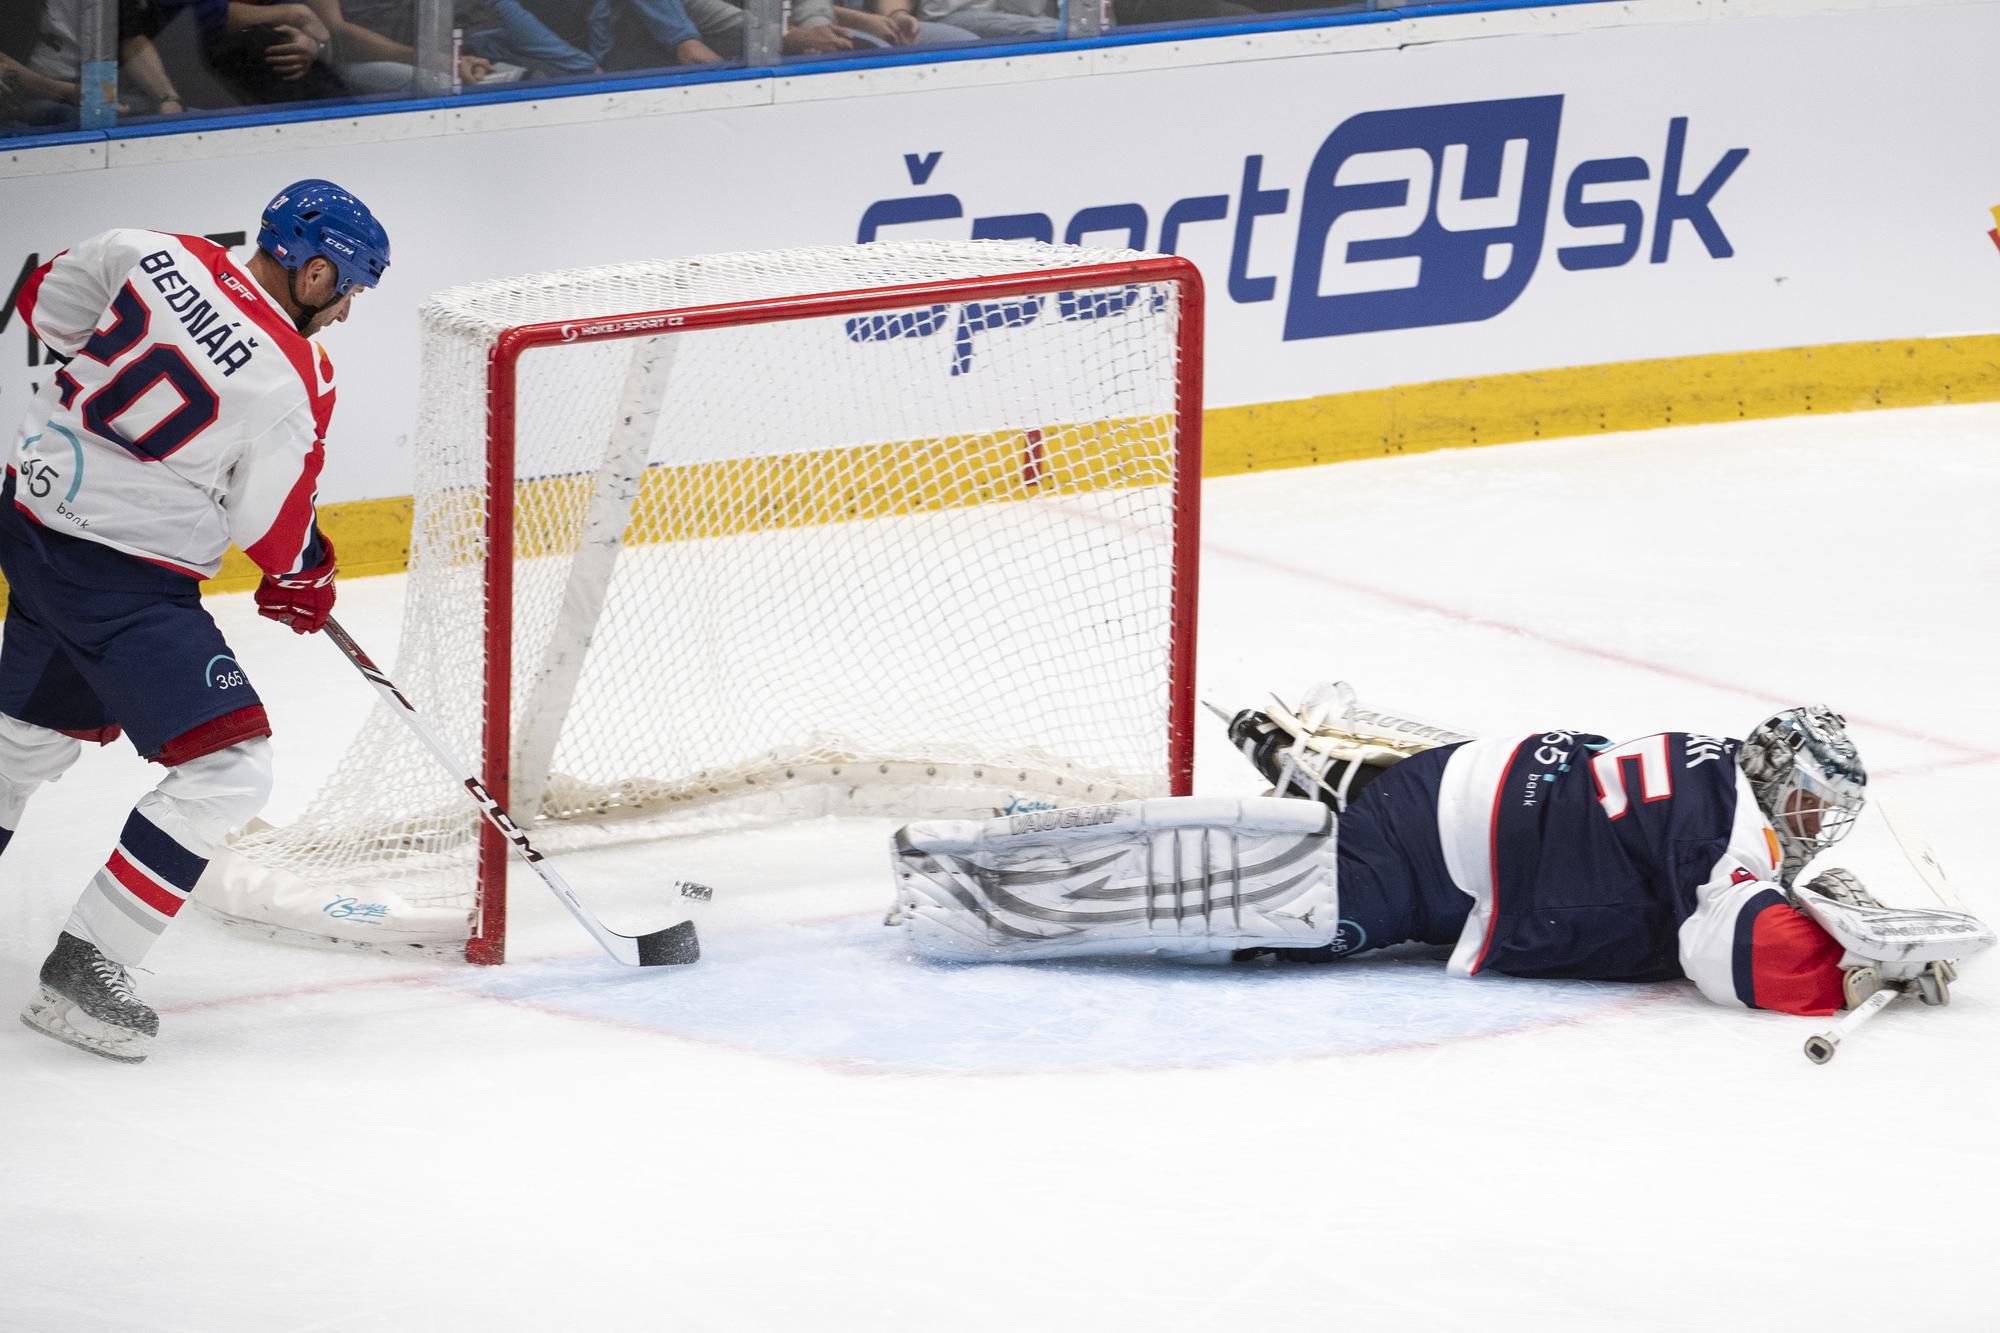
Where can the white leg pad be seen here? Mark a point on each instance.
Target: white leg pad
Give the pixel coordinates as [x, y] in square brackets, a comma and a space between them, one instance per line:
[29, 756]
[204, 800]
[1182, 876]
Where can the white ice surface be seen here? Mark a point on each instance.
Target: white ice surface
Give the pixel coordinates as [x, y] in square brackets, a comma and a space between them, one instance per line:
[809, 1131]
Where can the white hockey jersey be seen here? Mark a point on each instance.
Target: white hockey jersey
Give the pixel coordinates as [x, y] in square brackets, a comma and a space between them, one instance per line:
[192, 415]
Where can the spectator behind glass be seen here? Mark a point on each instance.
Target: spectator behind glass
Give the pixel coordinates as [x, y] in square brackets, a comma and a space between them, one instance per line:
[144, 87]
[18, 83]
[24, 95]
[554, 38]
[1001, 20]
[1035, 20]
[1132, 12]
[259, 53]
[816, 28]
[895, 23]
[374, 42]
[18, 26]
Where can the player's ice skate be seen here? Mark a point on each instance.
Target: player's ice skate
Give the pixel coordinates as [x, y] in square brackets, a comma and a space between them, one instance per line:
[86, 1000]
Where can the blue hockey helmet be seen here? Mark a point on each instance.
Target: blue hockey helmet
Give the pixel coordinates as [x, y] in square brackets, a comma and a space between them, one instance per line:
[316, 219]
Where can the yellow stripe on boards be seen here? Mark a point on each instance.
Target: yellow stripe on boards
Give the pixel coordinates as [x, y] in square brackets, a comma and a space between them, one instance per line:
[373, 536]
[368, 536]
[1593, 400]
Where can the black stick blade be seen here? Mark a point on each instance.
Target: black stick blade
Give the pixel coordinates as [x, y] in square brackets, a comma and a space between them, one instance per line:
[665, 948]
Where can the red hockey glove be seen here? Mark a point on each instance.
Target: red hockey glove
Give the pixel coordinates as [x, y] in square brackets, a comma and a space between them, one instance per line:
[303, 600]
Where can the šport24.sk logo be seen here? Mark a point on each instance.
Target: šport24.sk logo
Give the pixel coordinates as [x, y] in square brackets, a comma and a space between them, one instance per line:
[1406, 218]
[1435, 215]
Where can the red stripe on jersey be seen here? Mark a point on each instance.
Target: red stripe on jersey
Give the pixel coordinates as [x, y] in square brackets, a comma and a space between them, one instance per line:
[216, 734]
[1795, 966]
[264, 313]
[1493, 851]
[281, 548]
[278, 550]
[31, 291]
[156, 896]
[29, 514]
[163, 564]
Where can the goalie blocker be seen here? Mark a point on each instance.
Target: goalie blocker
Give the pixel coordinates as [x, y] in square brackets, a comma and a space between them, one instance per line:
[1194, 878]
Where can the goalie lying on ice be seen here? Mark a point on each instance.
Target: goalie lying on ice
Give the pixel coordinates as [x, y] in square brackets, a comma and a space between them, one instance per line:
[1559, 854]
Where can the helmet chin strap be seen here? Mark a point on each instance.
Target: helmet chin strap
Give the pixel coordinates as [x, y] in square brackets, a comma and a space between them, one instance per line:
[307, 313]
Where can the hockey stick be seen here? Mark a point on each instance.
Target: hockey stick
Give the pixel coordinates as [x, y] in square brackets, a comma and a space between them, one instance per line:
[1922, 856]
[675, 944]
[1821, 1046]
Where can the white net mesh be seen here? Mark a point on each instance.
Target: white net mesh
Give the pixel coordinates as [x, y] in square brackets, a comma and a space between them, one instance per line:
[918, 561]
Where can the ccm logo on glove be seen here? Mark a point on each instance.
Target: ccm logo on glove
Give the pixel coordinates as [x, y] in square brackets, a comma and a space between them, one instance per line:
[303, 600]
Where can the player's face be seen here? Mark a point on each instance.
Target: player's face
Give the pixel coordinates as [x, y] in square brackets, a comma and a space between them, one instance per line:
[334, 313]
[1805, 813]
[318, 280]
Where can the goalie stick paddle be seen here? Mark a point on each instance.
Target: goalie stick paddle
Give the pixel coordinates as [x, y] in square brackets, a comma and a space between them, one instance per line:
[674, 944]
[1922, 856]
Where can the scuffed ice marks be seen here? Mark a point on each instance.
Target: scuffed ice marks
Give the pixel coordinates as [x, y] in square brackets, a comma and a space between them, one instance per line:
[845, 995]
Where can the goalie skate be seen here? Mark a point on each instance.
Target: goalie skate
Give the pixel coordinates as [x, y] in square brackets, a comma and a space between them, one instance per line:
[1332, 721]
[1187, 877]
[1332, 745]
[86, 1000]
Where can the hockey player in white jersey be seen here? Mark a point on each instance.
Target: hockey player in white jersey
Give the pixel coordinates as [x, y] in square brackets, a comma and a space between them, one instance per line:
[1556, 854]
[192, 414]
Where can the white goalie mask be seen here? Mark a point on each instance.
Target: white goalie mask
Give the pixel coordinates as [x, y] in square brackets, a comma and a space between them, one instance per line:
[1808, 778]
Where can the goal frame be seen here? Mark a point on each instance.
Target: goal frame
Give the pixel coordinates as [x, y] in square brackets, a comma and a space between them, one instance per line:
[487, 942]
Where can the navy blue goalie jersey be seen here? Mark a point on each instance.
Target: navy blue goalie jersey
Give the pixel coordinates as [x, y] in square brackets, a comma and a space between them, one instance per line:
[1579, 857]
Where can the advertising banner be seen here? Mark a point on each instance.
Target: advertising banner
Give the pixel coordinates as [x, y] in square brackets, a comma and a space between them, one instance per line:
[1363, 219]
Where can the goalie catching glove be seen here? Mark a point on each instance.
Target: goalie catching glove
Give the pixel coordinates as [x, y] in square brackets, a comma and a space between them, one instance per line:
[1187, 877]
[302, 600]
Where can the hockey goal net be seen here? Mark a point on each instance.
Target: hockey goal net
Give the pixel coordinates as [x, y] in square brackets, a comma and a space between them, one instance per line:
[900, 528]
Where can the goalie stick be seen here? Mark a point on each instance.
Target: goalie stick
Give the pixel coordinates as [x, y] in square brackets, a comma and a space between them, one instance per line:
[1922, 856]
[674, 944]
[1822, 1046]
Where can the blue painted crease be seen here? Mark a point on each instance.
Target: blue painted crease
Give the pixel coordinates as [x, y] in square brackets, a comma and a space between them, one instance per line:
[847, 995]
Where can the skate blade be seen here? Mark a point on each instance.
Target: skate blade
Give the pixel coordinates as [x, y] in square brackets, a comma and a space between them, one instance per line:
[53, 1016]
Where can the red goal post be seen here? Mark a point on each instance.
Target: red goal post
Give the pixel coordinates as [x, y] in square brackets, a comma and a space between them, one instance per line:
[1074, 474]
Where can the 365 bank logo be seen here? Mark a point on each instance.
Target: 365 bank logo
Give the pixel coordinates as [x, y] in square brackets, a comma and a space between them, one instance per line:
[1407, 218]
